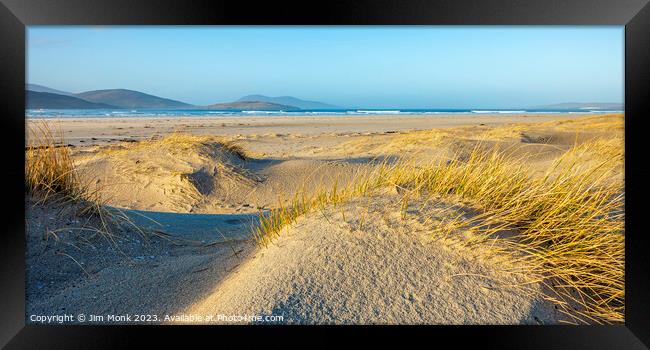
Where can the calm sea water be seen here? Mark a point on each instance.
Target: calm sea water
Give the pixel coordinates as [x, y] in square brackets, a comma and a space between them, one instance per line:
[126, 113]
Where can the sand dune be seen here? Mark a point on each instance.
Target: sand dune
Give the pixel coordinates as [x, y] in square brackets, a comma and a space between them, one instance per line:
[184, 173]
[333, 268]
[366, 261]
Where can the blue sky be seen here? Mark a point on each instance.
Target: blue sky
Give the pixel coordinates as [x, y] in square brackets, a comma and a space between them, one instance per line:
[373, 67]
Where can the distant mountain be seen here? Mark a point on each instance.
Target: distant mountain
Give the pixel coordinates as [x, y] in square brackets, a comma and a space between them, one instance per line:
[130, 99]
[41, 88]
[253, 106]
[46, 100]
[579, 105]
[289, 101]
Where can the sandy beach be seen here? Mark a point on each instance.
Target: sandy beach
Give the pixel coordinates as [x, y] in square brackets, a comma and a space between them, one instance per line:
[79, 131]
[196, 187]
[325, 175]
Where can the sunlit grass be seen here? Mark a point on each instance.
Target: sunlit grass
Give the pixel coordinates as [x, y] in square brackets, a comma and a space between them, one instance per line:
[569, 221]
[179, 143]
[51, 178]
[49, 168]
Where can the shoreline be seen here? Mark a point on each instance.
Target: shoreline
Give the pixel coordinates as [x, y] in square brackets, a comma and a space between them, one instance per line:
[335, 116]
[94, 131]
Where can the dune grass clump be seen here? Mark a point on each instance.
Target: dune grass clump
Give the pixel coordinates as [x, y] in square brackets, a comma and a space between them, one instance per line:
[49, 169]
[51, 178]
[569, 223]
[178, 142]
[476, 176]
[235, 149]
[186, 141]
[272, 222]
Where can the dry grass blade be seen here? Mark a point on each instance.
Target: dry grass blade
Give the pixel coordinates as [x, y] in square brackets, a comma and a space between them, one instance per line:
[569, 222]
[51, 177]
[49, 168]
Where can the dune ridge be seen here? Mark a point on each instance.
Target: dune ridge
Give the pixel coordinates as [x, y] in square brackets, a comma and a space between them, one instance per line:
[429, 235]
[360, 263]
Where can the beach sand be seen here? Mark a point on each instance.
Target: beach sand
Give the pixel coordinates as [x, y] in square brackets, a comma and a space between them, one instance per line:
[94, 131]
[360, 263]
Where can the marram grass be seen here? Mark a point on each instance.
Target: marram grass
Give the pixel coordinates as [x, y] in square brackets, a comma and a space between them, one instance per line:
[569, 221]
[49, 169]
[52, 178]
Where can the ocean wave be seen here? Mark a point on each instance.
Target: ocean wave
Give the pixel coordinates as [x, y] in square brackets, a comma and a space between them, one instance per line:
[497, 111]
[103, 113]
[263, 112]
[446, 112]
[378, 112]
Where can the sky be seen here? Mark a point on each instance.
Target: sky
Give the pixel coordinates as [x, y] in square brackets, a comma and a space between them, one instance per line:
[371, 67]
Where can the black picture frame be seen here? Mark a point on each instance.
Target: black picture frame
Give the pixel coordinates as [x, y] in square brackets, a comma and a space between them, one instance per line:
[15, 15]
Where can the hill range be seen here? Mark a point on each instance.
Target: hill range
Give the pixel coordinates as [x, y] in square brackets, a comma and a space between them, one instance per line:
[47, 100]
[289, 101]
[43, 97]
[253, 105]
[123, 98]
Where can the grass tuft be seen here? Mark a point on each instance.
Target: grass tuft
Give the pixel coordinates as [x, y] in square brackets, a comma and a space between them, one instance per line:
[49, 169]
[52, 178]
[569, 221]
[235, 149]
[178, 142]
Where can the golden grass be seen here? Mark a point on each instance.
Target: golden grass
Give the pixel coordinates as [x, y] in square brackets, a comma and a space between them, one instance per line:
[52, 178]
[570, 221]
[179, 143]
[415, 141]
[609, 122]
[235, 149]
[49, 169]
[603, 123]
[421, 143]
[570, 224]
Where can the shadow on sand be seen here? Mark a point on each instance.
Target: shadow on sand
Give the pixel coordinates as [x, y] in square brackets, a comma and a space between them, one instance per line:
[207, 228]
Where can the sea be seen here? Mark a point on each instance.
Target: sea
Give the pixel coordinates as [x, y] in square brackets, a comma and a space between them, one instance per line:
[163, 113]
